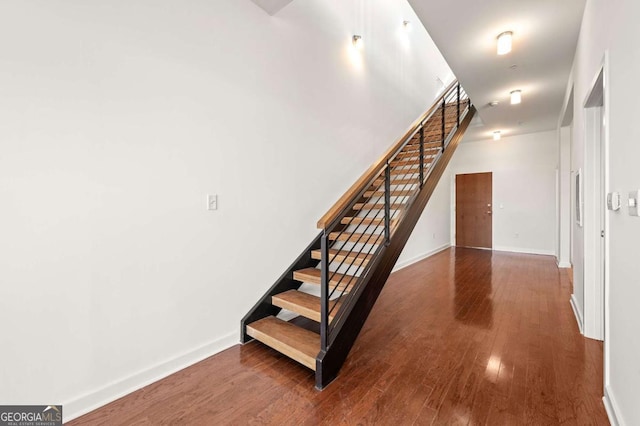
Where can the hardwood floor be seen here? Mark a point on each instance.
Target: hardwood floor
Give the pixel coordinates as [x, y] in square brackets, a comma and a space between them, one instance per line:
[466, 337]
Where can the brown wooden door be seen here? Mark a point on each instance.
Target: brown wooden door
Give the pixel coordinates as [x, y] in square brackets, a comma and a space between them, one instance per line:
[474, 210]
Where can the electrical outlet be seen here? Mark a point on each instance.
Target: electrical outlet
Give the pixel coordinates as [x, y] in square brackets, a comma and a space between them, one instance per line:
[212, 202]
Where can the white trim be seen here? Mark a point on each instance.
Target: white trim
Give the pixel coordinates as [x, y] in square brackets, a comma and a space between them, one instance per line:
[607, 239]
[595, 279]
[84, 404]
[564, 264]
[576, 312]
[610, 405]
[420, 257]
[525, 250]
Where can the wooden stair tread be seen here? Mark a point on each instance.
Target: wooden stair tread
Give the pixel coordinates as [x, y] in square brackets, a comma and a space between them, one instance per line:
[414, 156]
[348, 220]
[336, 255]
[393, 193]
[428, 144]
[376, 206]
[415, 144]
[295, 342]
[409, 171]
[312, 276]
[400, 181]
[304, 304]
[414, 162]
[356, 237]
[432, 136]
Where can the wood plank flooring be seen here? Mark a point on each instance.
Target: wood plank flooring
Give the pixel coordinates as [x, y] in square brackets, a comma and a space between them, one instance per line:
[466, 337]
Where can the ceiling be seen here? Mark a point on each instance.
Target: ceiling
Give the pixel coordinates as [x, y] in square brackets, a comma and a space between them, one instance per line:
[545, 34]
[272, 6]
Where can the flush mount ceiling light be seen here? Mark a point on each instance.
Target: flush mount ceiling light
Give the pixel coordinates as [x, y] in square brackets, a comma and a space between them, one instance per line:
[406, 25]
[357, 41]
[496, 135]
[493, 104]
[516, 97]
[504, 42]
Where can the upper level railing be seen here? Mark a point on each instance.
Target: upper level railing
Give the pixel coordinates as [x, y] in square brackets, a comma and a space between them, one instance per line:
[361, 224]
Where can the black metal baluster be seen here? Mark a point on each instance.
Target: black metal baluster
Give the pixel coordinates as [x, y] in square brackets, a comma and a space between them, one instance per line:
[421, 155]
[324, 291]
[387, 204]
[444, 105]
[458, 103]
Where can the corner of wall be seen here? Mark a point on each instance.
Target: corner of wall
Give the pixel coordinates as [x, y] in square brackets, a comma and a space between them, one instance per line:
[611, 407]
[577, 313]
[418, 258]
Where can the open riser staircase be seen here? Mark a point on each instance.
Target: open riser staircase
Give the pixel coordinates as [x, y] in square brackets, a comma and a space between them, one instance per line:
[362, 237]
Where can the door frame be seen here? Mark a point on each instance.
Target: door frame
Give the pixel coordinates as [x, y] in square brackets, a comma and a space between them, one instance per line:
[596, 248]
[453, 206]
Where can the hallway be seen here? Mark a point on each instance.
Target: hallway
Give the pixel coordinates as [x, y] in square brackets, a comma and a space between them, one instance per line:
[464, 337]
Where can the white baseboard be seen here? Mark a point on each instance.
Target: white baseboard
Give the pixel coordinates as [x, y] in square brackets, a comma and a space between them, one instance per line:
[564, 264]
[408, 262]
[525, 250]
[610, 405]
[577, 313]
[109, 393]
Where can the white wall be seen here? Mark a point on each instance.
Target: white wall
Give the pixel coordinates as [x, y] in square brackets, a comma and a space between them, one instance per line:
[564, 198]
[433, 231]
[119, 117]
[613, 27]
[524, 197]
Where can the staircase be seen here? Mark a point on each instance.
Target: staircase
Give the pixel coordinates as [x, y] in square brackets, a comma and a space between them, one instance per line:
[362, 237]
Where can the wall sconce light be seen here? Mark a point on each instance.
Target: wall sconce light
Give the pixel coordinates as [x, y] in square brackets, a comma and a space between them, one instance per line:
[504, 42]
[496, 135]
[357, 41]
[406, 25]
[516, 97]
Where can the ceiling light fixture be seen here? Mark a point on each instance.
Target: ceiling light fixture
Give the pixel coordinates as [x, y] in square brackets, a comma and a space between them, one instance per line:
[516, 97]
[504, 42]
[493, 104]
[496, 135]
[406, 25]
[357, 41]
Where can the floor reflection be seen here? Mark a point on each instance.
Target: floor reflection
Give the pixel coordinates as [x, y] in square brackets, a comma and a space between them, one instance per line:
[473, 304]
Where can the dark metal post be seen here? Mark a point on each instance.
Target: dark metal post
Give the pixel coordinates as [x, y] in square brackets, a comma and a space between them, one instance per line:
[387, 204]
[324, 291]
[444, 106]
[421, 156]
[458, 103]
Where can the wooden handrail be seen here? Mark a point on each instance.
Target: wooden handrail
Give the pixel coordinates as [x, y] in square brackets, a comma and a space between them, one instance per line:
[378, 166]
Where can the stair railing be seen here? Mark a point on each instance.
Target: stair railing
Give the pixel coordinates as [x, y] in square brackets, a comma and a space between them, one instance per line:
[361, 238]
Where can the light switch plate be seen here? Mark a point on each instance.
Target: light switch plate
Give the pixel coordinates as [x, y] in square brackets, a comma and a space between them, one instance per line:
[212, 202]
[633, 203]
